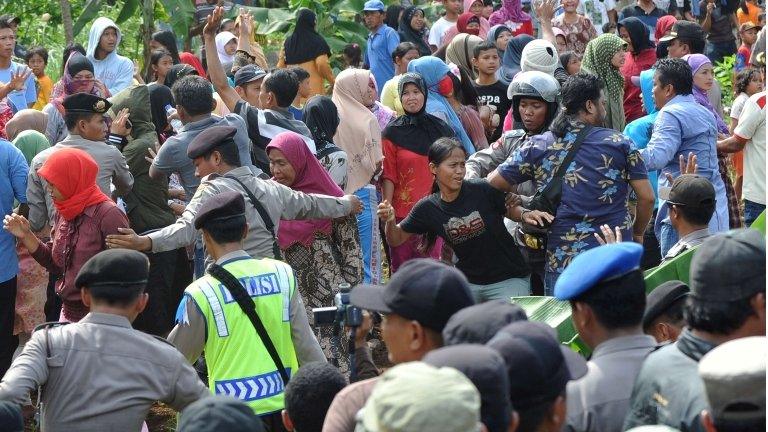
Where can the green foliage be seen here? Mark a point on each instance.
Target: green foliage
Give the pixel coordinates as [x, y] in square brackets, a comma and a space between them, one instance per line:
[724, 72]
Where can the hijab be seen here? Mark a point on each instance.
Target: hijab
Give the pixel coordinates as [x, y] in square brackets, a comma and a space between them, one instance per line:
[511, 10]
[494, 33]
[638, 34]
[416, 131]
[223, 39]
[513, 56]
[464, 20]
[663, 26]
[696, 61]
[433, 71]
[408, 34]
[67, 85]
[73, 172]
[597, 61]
[311, 177]
[305, 44]
[159, 97]
[322, 118]
[31, 142]
[177, 72]
[358, 133]
[192, 60]
[26, 119]
[461, 50]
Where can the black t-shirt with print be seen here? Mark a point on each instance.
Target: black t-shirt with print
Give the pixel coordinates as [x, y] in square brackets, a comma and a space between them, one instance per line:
[473, 225]
[495, 94]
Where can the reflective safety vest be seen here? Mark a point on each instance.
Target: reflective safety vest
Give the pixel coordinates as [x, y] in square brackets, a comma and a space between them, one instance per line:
[237, 361]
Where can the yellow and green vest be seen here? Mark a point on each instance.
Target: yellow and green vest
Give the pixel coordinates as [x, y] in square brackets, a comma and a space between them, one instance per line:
[237, 361]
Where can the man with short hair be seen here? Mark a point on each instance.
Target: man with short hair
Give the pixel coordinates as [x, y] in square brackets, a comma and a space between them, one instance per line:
[649, 12]
[685, 38]
[734, 380]
[683, 126]
[382, 41]
[112, 69]
[18, 82]
[606, 291]
[477, 324]
[691, 203]
[727, 302]
[309, 394]
[663, 318]
[718, 20]
[102, 353]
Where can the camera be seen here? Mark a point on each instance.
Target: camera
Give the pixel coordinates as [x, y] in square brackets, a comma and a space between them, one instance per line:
[342, 313]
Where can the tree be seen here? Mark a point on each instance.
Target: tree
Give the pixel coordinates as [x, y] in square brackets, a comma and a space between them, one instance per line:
[66, 18]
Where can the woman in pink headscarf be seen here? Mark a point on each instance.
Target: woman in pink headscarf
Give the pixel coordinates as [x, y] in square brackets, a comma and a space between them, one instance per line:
[473, 12]
[322, 252]
[512, 15]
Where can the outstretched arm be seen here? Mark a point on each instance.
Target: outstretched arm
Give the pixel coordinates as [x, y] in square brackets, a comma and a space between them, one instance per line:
[215, 69]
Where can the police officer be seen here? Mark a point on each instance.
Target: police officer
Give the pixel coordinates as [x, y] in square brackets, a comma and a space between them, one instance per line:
[216, 160]
[222, 312]
[76, 365]
[606, 290]
[528, 91]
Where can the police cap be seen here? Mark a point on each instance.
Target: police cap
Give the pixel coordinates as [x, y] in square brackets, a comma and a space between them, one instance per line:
[223, 206]
[209, 139]
[118, 268]
[602, 264]
[86, 103]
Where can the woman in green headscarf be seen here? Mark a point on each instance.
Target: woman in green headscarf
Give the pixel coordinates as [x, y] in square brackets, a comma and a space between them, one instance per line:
[31, 142]
[604, 57]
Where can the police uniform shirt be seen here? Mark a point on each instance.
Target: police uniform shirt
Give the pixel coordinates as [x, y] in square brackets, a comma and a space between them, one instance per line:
[281, 202]
[687, 242]
[101, 375]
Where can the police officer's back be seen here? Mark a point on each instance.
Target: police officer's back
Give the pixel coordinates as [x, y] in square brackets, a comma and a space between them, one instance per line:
[100, 374]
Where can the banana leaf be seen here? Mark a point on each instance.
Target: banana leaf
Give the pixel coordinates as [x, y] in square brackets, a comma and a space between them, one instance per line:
[557, 314]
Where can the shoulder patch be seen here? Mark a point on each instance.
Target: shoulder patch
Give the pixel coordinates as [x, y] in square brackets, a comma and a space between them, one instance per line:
[761, 101]
[163, 340]
[50, 324]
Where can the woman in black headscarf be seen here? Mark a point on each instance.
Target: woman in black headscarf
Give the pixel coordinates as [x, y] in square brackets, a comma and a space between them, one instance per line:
[413, 28]
[177, 72]
[510, 63]
[307, 49]
[405, 142]
[322, 118]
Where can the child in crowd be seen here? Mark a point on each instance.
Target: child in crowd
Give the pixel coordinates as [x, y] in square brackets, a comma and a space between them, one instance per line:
[305, 91]
[747, 82]
[453, 9]
[609, 27]
[490, 90]
[748, 35]
[37, 60]
[160, 62]
[352, 56]
[571, 62]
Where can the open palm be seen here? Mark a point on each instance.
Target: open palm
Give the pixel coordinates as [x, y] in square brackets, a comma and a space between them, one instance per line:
[17, 225]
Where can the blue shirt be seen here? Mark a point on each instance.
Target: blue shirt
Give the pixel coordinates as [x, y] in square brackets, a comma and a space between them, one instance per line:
[13, 185]
[639, 131]
[21, 99]
[378, 54]
[684, 126]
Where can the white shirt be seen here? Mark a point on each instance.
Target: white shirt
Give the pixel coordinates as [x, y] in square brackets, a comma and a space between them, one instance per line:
[596, 11]
[752, 127]
[738, 105]
[438, 29]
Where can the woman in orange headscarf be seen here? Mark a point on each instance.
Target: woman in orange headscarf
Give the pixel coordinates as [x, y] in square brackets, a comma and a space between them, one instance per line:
[84, 217]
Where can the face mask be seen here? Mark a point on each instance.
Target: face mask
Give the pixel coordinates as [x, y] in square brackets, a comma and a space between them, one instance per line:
[445, 86]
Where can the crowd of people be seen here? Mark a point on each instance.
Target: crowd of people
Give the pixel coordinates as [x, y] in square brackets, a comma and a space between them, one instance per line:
[178, 236]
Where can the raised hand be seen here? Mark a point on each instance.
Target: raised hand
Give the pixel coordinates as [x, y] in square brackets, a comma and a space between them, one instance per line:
[128, 239]
[19, 78]
[608, 235]
[213, 22]
[121, 125]
[17, 225]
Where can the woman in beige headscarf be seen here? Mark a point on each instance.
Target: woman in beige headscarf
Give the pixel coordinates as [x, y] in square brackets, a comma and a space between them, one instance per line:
[461, 50]
[26, 119]
[359, 136]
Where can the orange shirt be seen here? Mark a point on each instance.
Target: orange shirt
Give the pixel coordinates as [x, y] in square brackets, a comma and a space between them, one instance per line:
[754, 11]
[44, 89]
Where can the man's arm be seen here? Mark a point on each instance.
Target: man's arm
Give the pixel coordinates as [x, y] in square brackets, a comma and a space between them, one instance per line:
[27, 372]
[122, 177]
[298, 205]
[188, 336]
[18, 175]
[748, 123]
[645, 202]
[186, 387]
[215, 69]
[485, 161]
[304, 341]
[664, 143]
[37, 201]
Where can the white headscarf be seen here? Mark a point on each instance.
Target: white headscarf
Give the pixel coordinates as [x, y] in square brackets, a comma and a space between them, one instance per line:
[222, 39]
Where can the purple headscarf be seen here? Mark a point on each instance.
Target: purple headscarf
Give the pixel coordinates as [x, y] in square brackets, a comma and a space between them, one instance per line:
[511, 10]
[696, 61]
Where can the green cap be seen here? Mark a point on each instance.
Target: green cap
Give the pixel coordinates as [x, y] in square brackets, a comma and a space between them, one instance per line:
[418, 397]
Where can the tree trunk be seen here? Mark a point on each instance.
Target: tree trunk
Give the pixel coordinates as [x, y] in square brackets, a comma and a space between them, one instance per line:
[66, 18]
[147, 27]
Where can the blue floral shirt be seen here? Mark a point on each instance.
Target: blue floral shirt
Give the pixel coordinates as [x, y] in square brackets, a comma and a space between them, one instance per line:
[595, 186]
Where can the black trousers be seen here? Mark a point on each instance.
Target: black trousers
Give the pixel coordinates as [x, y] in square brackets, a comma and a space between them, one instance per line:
[169, 275]
[8, 342]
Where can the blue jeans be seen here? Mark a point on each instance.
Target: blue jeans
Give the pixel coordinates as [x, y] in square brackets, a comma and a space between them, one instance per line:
[751, 211]
[668, 238]
[506, 289]
[717, 50]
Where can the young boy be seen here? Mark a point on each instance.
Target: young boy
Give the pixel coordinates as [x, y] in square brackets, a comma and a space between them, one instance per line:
[489, 89]
[452, 10]
[305, 91]
[37, 60]
[748, 34]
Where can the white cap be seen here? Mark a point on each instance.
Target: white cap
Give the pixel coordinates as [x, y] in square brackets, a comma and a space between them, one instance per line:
[540, 55]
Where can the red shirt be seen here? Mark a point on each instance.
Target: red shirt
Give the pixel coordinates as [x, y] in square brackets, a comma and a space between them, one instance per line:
[409, 171]
[634, 64]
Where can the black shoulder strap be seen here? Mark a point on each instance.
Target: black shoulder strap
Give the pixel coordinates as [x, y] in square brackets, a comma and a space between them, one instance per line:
[264, 216]
[249, 309]
[560, 173]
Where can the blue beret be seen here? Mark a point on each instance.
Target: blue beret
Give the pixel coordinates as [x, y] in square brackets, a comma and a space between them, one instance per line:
[602, 263]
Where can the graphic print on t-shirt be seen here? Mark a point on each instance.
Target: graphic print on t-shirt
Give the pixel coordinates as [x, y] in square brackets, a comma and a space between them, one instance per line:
[461, 229]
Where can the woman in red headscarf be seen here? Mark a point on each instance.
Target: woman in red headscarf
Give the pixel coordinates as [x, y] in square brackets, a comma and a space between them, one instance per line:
[468, 23]
[322, 252]
[84, 217]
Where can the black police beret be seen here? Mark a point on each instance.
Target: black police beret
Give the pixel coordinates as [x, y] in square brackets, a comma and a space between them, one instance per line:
[114, 267]
[661, 298]
[226, 205]
[209, 139]
[86, 103]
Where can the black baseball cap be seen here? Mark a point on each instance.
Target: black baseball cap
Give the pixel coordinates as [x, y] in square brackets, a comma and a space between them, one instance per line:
[685, 30]
[539, 367]
[690, 190]
[217, 413]
[661, 298]
[729, 266]
[249, 73]
[479, 323]
[423, 289]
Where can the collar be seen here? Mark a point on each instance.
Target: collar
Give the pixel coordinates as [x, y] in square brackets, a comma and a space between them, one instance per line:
[637, 7]
[378, 31]
[198, 124]
[232, 256]
[240, 171]
[680, 99]
[623, 343]
[283, 112]
[692, 346]
[695, 235]
[107, 319]
[72, 138]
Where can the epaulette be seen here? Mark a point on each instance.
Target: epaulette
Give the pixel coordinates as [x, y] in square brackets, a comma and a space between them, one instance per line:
[49, 324]
[162, 339]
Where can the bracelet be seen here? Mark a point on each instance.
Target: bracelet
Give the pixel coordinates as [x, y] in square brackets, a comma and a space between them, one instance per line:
[522, 213]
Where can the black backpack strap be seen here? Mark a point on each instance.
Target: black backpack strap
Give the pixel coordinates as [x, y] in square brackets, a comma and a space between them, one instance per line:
[264, 216]
[560, 173]
[249, 309]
